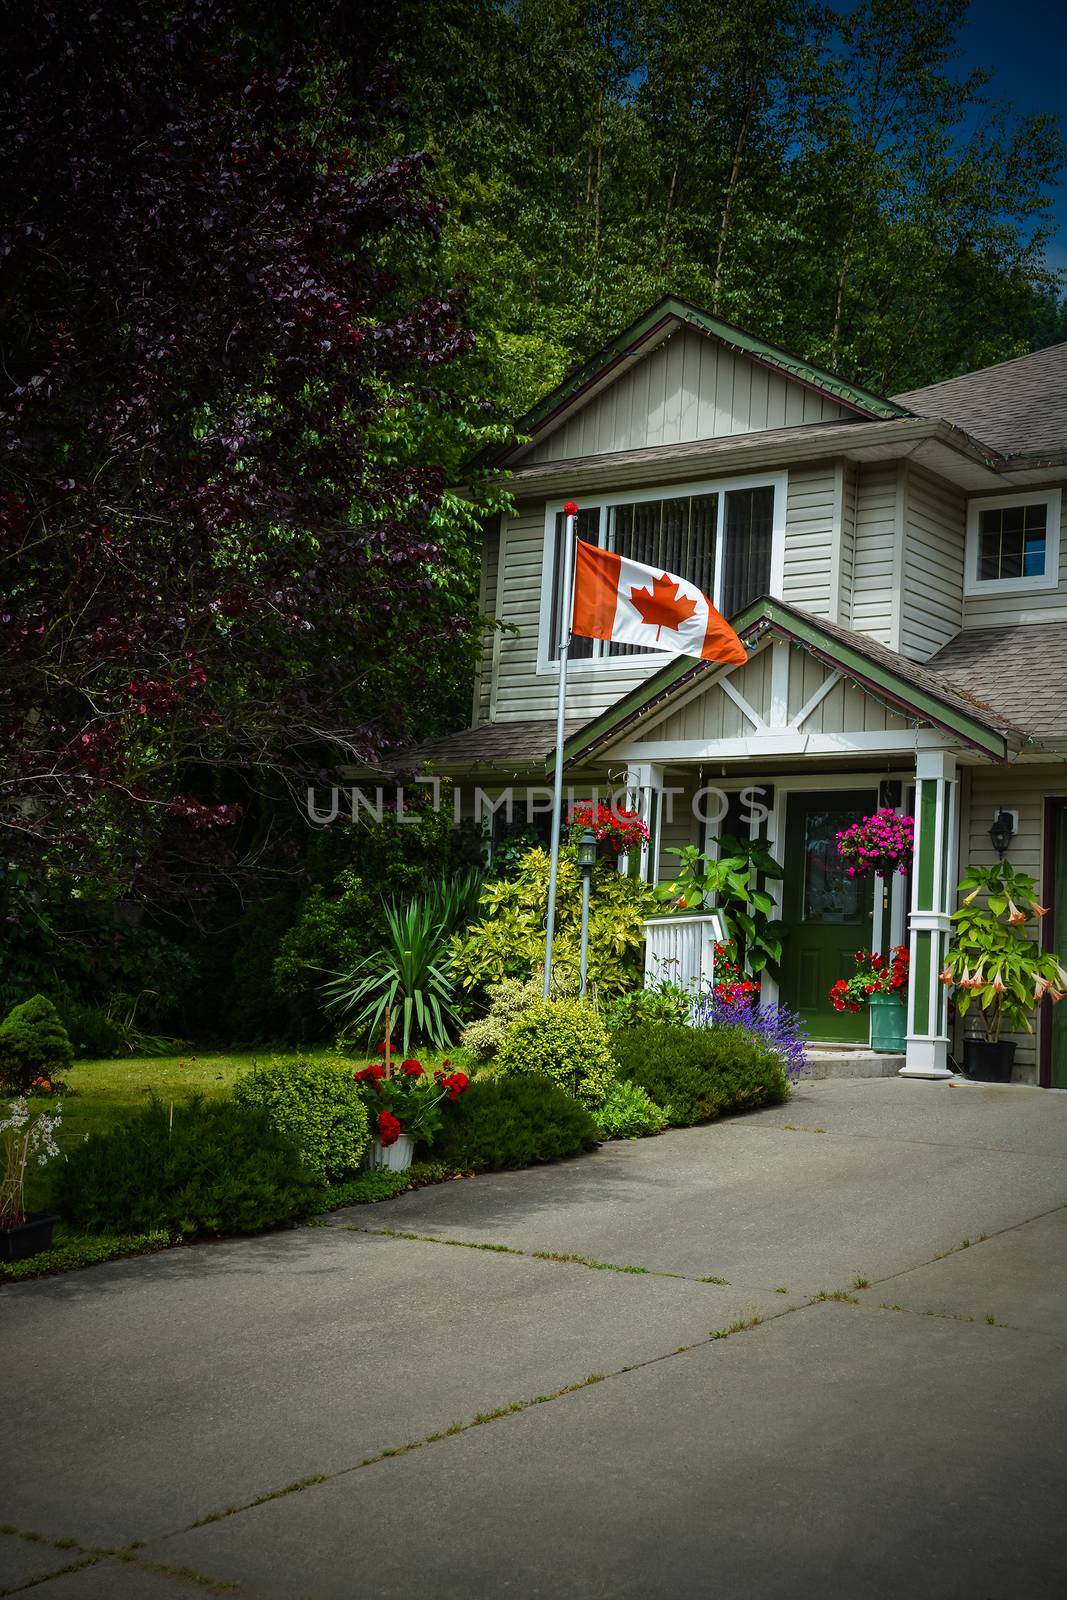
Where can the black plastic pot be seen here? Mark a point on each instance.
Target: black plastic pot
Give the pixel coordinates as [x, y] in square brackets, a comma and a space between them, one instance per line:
[987, 1062]
[28, 1238]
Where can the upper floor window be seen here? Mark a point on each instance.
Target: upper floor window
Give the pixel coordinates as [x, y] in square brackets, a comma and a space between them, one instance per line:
[723, 539]
[1013, 543]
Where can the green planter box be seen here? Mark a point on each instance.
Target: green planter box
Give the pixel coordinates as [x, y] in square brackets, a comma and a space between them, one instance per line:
[889, 1022]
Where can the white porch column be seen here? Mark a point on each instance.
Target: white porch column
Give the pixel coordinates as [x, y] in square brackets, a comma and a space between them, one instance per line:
[646, 781]
[933, 883]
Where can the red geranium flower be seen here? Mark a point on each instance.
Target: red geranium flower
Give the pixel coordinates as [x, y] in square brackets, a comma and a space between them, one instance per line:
[455, 1083]
[389, 1129]
[411, 1068]
[372, 1074]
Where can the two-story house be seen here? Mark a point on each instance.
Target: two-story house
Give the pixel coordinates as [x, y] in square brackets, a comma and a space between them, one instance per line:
[898, 570]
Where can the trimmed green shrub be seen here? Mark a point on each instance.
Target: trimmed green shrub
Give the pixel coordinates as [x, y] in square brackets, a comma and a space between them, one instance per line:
[629, 1112]
[699, 1073]
[563, 1040]
[316, 1105]
[515, 1122]
[33, 1044]
[220, 1168]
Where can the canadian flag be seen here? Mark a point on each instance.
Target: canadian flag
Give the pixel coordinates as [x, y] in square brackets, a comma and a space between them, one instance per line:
[622, 600]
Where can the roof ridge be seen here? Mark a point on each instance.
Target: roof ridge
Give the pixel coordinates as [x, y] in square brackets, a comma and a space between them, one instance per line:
[977, 372]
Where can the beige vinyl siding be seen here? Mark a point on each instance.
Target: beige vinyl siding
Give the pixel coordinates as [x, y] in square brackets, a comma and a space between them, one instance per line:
[985, 791]
[519, 692]
[874, 574]
[935, 516]
[845, 499]
[1045, 605]
[845, 709]
[487, 598]
[690, 387]
[809, 538]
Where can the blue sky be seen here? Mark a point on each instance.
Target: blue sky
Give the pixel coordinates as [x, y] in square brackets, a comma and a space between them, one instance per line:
[1024, 44]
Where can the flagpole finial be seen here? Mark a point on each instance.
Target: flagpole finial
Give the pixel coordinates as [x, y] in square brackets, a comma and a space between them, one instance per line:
[570, 509]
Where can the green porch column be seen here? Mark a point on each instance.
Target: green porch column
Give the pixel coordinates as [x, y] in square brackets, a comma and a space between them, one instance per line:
[933, 888]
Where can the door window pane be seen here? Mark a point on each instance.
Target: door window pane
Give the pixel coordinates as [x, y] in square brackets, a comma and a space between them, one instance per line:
[830, 895]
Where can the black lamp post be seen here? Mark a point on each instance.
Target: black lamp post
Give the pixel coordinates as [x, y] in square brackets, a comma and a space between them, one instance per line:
[586, 860]
[1002, 832]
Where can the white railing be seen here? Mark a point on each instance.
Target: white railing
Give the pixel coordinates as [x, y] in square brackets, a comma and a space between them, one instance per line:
[682, 949]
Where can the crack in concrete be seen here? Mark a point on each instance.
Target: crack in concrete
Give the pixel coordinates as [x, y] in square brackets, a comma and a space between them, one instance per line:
[93, 1555]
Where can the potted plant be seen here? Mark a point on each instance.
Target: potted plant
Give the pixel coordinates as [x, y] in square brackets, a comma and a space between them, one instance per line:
[881, 982]
[994, 965]
[618, 831]
[883, 843]
[404, 1103]
[24, 1233]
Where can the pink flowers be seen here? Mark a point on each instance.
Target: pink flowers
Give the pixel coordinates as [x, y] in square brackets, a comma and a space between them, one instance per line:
[883, 843]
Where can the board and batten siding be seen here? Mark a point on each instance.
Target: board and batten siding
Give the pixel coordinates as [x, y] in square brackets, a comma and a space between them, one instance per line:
[1044, 605]
[935, 517]
[875, 571]
[690, 387]
[985, 791]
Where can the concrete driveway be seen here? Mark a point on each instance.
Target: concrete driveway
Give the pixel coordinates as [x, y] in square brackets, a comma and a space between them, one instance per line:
[821, 1350]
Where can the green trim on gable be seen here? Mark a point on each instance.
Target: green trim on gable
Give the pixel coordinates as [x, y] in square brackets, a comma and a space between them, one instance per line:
[786, 623]
[748, 344]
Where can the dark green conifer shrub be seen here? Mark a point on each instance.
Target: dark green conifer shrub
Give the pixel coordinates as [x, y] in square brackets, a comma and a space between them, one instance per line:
[218, 1168]
[514, 1122]
[699, 1073]
[33, 1044]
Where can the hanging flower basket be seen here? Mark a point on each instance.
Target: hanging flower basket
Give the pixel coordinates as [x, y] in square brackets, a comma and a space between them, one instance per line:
[883, 844]
[618, 831]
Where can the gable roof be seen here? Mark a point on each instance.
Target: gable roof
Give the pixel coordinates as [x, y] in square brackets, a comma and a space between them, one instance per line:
[1018, 407]
[892, 677]
[649, 330]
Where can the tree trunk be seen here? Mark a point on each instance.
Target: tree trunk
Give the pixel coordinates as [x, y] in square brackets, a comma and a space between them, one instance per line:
[731, 186]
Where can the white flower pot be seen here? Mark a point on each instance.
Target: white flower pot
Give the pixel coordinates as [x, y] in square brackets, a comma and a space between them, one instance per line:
[390, 1157]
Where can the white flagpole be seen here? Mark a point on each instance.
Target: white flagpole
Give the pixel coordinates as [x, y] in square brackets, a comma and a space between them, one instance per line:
[570, 528]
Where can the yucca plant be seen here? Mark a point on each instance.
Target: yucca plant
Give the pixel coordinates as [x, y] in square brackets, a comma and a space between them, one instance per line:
[409, 976]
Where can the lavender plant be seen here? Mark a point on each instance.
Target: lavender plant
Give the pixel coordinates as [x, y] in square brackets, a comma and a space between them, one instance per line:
[780, 1028]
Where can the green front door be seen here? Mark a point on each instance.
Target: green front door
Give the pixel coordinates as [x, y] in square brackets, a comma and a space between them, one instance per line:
[1058, 1076]
[827, 914]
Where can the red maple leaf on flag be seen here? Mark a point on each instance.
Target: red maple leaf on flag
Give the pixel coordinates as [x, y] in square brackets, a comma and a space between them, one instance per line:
[664, 606]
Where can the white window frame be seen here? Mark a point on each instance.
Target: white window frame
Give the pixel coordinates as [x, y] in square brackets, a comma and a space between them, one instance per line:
[1049, 579]
[718, 486]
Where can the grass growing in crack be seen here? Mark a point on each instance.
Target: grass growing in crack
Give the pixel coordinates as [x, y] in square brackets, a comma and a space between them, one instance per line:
[861, 1283]
[941, 1316]
[724, 1282]
[741, 1326]
[586, 1261]
[781, 1291]
[796, 1127]
[840, 1295]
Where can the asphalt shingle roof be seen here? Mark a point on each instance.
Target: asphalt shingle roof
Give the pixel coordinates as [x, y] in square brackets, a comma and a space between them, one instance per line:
[499, 746]
[1017, 407]
[1020, 671]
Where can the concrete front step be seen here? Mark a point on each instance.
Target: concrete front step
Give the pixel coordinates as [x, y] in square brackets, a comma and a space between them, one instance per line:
[836, 1061]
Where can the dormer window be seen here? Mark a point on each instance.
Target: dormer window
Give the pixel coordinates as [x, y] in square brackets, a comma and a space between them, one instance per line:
[1013, 543]
[726, 538]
